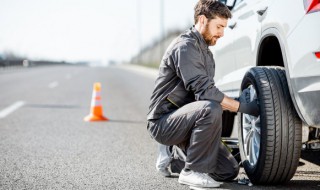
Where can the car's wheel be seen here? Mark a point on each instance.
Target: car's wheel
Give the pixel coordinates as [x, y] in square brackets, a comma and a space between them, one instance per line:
[270, 144]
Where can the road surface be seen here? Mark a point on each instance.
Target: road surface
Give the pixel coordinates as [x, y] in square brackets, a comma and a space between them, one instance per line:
[45, 144]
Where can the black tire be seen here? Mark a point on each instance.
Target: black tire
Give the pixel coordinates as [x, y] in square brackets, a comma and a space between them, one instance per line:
[280, 129]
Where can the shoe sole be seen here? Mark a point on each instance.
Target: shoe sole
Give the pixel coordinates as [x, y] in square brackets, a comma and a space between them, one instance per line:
[164, 175]
[197, 186]
[200, 188]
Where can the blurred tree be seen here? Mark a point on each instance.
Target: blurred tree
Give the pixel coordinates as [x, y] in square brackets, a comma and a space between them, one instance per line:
[10, 55]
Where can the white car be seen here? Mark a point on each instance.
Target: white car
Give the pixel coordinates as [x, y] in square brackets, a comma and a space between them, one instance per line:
[273, 48]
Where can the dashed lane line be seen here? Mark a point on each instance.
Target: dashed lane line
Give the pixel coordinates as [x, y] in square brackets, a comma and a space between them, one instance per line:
[8, 110]
[68, 76]
[53, 84]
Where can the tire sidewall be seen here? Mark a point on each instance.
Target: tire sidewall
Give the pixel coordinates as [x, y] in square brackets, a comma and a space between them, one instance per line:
[251, 78]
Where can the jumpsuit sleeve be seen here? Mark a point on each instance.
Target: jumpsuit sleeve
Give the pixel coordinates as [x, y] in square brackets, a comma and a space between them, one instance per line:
[190, 67]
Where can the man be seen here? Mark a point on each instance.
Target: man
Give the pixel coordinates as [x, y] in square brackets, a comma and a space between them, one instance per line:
[186, 107]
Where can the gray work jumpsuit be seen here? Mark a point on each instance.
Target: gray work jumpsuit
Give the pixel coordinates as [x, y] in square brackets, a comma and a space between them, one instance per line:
[185, 107]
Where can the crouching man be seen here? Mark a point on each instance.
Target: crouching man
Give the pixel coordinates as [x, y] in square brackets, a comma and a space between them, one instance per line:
[186, 107]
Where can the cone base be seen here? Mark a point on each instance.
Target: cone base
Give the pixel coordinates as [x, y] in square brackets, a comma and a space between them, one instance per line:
[95, 118]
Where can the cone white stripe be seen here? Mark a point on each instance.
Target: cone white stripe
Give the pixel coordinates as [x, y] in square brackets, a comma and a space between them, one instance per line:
[96, 103]
[96, 94]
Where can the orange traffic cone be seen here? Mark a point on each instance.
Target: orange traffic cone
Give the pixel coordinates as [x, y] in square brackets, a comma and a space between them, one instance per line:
[96, 113]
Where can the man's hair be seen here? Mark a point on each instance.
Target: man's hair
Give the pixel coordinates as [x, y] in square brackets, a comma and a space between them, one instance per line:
[211, 9]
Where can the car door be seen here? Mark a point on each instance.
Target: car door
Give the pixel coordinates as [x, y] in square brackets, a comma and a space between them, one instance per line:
[224, 55]
[247, 33]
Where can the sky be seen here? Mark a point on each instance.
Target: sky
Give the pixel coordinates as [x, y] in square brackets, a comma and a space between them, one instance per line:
[88, 30]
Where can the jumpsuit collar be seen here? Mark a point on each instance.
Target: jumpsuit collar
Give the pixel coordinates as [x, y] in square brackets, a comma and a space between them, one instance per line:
[200, 38]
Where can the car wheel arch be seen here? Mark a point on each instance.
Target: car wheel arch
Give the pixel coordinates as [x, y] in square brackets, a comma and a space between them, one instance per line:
[276, 35]
[270, 37]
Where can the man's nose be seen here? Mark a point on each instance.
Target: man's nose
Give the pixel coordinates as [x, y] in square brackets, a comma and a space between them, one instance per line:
[221, 34]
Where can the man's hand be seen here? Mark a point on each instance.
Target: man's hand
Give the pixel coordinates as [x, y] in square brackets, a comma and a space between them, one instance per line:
[245, 96]
[251, 108]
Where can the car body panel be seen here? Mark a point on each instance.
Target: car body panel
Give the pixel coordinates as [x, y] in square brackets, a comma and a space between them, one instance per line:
[298, 37]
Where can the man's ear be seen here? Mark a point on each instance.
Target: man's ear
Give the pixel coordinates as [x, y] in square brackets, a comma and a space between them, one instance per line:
[203, 20]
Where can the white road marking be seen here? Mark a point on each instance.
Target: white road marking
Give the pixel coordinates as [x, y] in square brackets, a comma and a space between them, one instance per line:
[68, 76]
[5, 112]
[53, 84]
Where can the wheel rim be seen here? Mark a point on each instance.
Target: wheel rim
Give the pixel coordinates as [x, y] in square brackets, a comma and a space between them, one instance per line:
[251, 133]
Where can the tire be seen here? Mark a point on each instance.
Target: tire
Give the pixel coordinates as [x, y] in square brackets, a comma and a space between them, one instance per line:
[270, 145]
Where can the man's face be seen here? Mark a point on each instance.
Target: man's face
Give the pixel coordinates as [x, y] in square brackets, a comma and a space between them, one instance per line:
[213, 30]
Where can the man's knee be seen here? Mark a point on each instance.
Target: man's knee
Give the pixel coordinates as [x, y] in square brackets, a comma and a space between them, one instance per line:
[213, 106]
[213, 110]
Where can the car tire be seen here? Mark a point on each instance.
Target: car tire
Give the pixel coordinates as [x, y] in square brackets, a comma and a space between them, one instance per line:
[270, 145]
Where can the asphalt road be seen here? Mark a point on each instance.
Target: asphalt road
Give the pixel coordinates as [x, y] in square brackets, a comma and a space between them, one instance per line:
[45, 144]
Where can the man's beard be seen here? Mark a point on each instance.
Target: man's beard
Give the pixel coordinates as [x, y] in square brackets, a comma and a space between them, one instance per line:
[208, 37]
